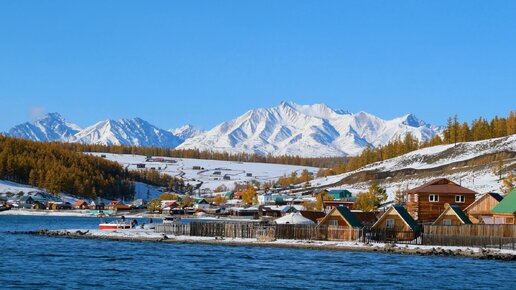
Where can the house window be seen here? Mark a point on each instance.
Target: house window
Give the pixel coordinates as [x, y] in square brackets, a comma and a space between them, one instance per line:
[389, 223]
[459, 198]
[334, 223]
[447, 222]
[415, 197]
[433, 198]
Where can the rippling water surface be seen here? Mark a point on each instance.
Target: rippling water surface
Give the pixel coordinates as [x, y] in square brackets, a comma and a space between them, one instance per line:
[34, 262]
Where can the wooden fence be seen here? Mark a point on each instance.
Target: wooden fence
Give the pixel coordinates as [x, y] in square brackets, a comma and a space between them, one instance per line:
[475, 230]
[469, 241]
[488, 236]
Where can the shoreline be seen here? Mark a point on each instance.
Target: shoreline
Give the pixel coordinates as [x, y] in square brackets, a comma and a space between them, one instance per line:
[151, 236]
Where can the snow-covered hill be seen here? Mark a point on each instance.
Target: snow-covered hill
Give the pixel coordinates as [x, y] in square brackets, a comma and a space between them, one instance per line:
[420, 166]
[287, 129]
[307, 130]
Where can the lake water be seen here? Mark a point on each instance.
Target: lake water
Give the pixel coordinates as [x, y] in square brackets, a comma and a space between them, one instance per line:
[37, 262]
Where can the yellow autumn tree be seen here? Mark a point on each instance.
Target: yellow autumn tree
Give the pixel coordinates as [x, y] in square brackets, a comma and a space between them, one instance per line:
[249, 195]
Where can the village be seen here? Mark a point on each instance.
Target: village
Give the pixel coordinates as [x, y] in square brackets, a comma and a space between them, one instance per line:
[440, 212]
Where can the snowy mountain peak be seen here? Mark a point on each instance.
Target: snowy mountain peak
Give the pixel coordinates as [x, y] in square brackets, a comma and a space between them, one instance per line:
[186, 131]
[412, 120]
[50, 127]
[306, 130]
[287, 129]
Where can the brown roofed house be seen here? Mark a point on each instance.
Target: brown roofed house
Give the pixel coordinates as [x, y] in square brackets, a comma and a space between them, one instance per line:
[426, 202]
[81, 204]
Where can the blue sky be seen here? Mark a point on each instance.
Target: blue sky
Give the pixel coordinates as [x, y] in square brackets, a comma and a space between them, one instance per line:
[204, 62]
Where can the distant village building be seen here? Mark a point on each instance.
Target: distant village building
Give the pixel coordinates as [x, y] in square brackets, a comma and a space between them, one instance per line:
[426, 202]
[140, 165]
[81, 204]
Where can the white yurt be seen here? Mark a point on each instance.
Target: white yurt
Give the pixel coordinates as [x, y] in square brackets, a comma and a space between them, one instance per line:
[294, 218]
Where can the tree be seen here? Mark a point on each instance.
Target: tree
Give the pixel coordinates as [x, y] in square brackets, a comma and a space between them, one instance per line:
[508, 183]
[249, 195]
[498, 169]
[187, 200]
[366, 201]
[399, 196]
[221, 188]
[372, 199]
[219, 199]
[154, 205]
[320, 198]
[309, 205]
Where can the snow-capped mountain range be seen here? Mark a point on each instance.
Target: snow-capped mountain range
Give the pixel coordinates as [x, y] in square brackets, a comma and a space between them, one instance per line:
[287, 129]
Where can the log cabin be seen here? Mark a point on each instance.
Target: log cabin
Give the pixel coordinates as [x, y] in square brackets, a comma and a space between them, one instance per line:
[396, 218]
[452, 216]
[481, 208]
[426, 202]
[505, 211]
[341, 223]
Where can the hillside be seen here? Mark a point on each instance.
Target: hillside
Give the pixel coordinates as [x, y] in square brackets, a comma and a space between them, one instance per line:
[57, 169]
[468, 163]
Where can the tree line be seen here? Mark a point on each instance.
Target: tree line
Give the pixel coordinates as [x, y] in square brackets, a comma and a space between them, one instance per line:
[56, 168]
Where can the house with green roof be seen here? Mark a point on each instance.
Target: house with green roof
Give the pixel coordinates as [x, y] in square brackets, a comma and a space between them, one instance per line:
[337, 194]
[398, 219]
[341, 222]
[505, 211]
[452, 216]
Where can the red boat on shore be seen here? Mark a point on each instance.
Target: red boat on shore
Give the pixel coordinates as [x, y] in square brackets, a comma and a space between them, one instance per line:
[121, 224]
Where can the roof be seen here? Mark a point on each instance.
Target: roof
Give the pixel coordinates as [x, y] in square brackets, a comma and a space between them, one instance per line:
[312, 215]
[228, 194]
[460, 214]
[441, 185]
[496, 196]
[349, 216]
[339, 193]
[80, 202]
[507, 205]
[406, 217]
[295, 219]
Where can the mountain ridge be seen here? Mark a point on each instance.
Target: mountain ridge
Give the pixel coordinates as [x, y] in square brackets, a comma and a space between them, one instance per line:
[287, 129]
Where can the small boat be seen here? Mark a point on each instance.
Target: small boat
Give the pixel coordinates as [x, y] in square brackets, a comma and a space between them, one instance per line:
[116, 224]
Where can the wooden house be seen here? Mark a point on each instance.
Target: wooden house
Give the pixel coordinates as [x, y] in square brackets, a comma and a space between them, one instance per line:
[505, 211]
[426, 202]
[341, 216]
[341, 222]
[81, 204]
[117, 205]
[481, 208]
[396, 218]
[452, 216]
